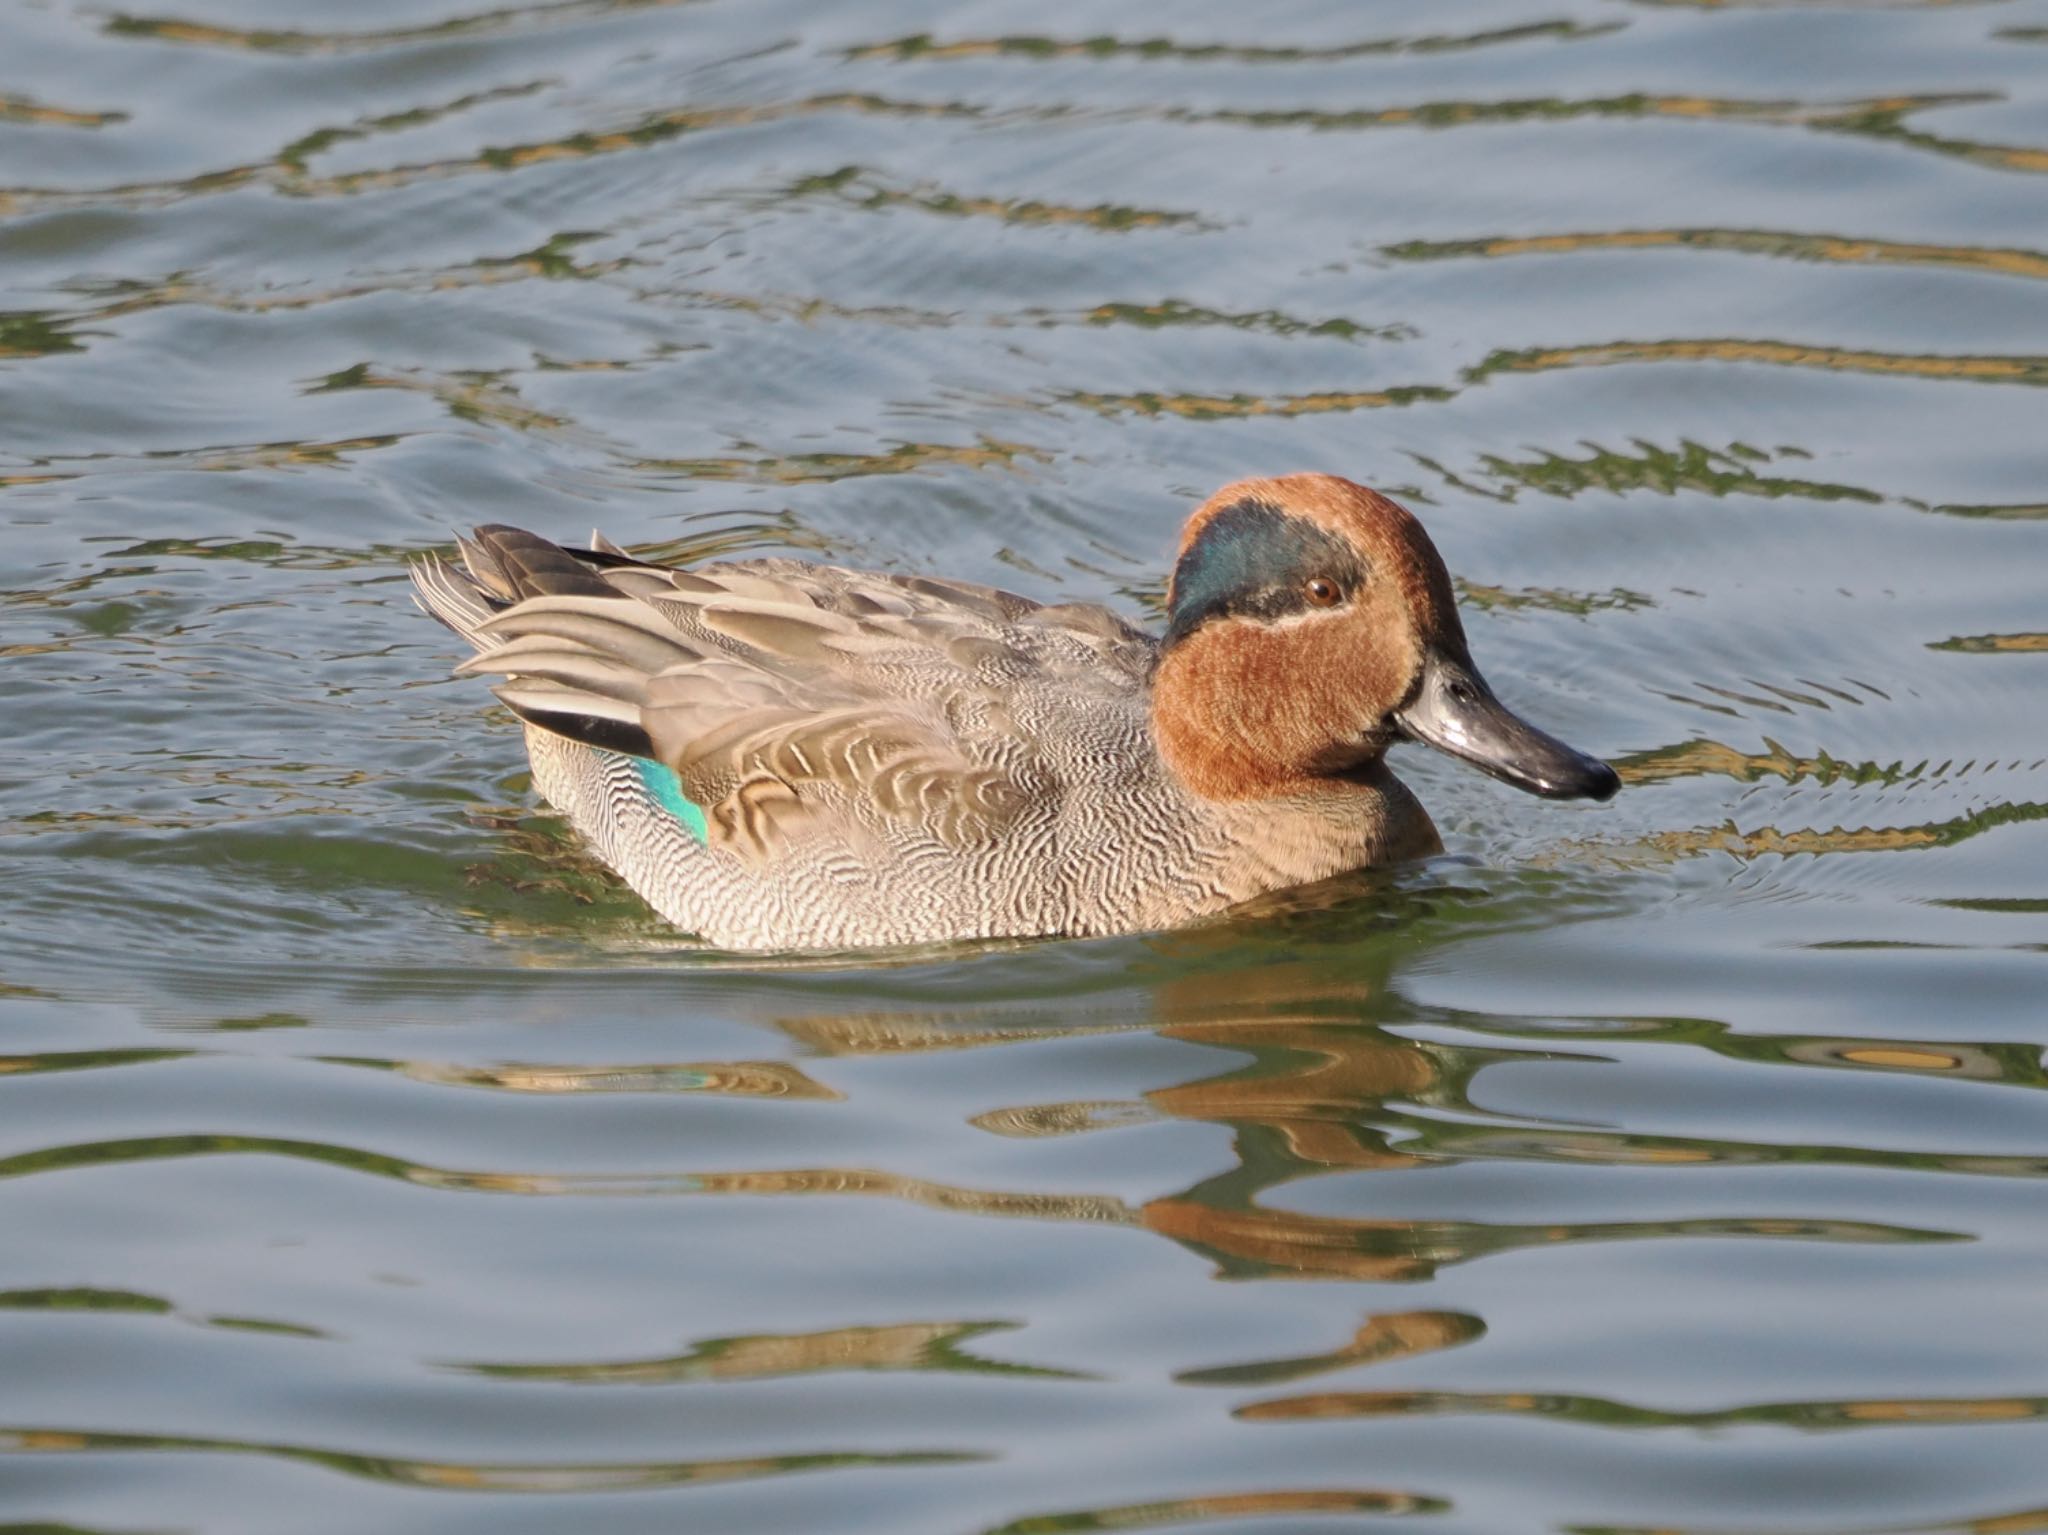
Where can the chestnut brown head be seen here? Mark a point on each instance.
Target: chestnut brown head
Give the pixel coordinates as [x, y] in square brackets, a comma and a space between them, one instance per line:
[1311, 624]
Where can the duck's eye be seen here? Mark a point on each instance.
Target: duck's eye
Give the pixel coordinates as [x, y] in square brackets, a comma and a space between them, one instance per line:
[1322, 592]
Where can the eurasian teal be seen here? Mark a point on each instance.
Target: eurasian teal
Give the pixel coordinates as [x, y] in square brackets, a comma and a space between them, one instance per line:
[783, 755]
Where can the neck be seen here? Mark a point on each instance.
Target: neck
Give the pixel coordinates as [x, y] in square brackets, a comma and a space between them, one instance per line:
[1231, 729]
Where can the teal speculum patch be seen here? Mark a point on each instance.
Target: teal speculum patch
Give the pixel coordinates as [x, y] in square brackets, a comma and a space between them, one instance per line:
[661, 782]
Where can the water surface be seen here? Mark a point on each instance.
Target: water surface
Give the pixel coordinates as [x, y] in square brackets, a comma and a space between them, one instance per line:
[371, 1161]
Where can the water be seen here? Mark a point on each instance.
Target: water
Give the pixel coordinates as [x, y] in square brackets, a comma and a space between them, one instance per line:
[370, 1161]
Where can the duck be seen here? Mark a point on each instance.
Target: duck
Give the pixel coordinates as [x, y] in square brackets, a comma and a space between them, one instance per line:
[781, 755]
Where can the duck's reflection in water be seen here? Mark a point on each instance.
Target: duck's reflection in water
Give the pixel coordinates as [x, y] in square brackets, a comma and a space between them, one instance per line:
[1325, 1087]
[1301, 1106]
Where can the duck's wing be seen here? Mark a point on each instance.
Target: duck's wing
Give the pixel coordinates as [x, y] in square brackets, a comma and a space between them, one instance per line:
[791, 699]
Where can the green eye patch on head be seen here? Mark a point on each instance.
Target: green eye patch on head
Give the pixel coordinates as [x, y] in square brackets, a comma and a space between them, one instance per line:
[1252, 560]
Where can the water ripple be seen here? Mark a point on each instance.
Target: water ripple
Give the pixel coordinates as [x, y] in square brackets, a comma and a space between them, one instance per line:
[922, 46]
[519, 18]
[819, 1181]
[1841, 250]
[1993, 644]
[1692, 759]
[470, 1476]
[824, 468]
[1597, 1412]
[902, 1346]
[1222, 1506]
[76, 1299]
[86, 1060]
[1264, 1243]
[1770, 841]
[737, 1079]
[21, 109]
[1383, 1339]
[1438, 1139]
[1782, 354]
[284, 172]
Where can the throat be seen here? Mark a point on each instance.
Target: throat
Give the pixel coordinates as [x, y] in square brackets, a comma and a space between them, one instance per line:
[1317, 827]
[1213, 767]
[1366, 772]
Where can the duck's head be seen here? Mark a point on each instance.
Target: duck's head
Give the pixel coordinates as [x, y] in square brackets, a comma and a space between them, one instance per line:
[1311, 624]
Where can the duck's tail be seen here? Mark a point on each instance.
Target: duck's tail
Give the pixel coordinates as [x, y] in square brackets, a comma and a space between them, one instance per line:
[576, 657]
[575, 650]
[502, 566]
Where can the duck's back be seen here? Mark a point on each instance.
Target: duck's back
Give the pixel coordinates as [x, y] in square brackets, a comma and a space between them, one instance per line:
[777, 754]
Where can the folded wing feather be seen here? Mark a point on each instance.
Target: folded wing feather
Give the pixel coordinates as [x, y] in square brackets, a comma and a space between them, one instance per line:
[783, 692]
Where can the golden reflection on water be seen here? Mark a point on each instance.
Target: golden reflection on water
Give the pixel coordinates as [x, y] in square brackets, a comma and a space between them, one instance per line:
[738, 1079]
[477, 397]
[824, 468]
[1994, 644]
[1107, 46]
[1700, 758]
[1272, 322]
[1548, 599]
[222, 459]
[2024, 370]
[1327, 1091]
[1769, 841]
[1887, 122]
[1323, 1089]
[861, 188]
[902, 1346]
[19, 109]
[827, 1181]
[40, 333]
[1216, 407]
[1599, 1412]
[1691, 466]
[1885, 112]
[1322, 1086]
[1101, 1209]
[1883, 118]
[274, 40]
[285, 171]
[1383, 1339]
[293, 156]
[1788, 244]
[1257, 1243]
[464, 1476]
[908, 1032]
[2011, 1064]
[1241, 1505]
[1988, 370]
